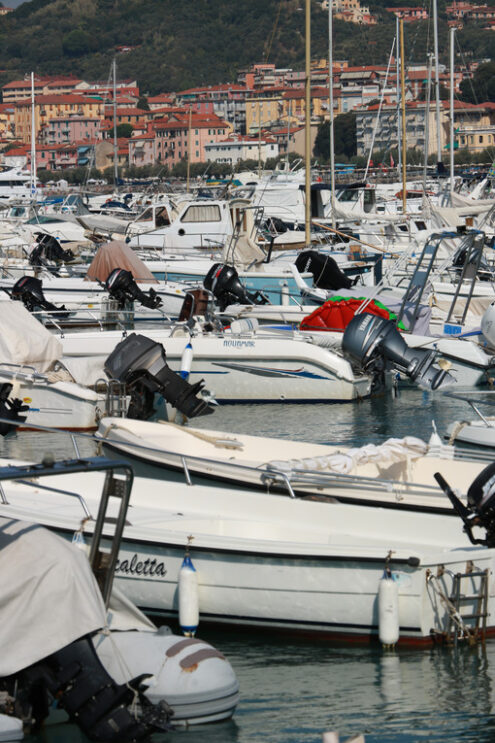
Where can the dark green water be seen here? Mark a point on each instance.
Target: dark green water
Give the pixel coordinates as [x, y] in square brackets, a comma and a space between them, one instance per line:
[291, 692]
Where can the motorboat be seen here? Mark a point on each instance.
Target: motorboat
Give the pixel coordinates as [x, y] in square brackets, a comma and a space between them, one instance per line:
[398, 473]
[97, 646]
[479, 432]
[15, 184]
[238, 365]
[269, 561]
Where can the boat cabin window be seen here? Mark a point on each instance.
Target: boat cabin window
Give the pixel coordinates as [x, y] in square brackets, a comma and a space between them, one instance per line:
[161, 217]
[146, 216]
[200, 213]
[17, 211]
[368, 200]
[403, 228]
[349, 194]
[420, 225]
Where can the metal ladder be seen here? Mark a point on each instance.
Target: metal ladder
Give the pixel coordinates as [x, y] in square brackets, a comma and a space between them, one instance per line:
[476, 631]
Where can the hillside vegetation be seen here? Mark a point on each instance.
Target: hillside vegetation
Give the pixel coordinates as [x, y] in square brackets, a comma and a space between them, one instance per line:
[181, 44]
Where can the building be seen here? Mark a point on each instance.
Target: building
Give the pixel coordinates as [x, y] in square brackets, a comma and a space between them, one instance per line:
[67, 129]
[351, 11]
[473, 127]
[48, 107]
[184, 136]
[20, 90]
[226, 101]
[409, 14]
[234, 149]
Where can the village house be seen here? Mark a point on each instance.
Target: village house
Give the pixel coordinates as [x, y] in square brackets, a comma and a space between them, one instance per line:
[226, 101]
[19, 90]
[48, 107]
[409, 14]
[234, 149]
[67, 129]
[184, 136]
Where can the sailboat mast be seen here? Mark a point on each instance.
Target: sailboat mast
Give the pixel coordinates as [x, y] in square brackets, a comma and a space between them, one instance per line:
[33, 140]
[397, 83]
[437, 85]
[452, 38]
[115, 146]
[307, 148]
[330, 108]
[403, 100]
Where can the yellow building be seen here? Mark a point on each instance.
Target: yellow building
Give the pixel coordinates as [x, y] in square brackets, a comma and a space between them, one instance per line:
[262, 112]
[47, 107]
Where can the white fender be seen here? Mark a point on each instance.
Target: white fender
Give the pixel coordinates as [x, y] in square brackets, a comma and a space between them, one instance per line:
[186, 361]
[188, 597]
[388, 610]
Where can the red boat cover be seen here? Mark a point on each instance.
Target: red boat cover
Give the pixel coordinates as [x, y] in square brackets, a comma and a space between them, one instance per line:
[336, 315]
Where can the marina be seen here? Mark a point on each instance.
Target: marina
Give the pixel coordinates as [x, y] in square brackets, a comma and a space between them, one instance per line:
[247, 366]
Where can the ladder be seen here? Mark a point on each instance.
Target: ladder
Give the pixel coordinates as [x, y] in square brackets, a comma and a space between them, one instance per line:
[471, 608]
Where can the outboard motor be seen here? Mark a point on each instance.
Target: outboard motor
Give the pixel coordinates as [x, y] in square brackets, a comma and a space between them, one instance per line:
[223, 282]
[374, 342]
[11, 409]
[29, 291]
[141, 364]
[480, 509]
[325, 270]
[75, 677]
[48, 248]
[122, 287]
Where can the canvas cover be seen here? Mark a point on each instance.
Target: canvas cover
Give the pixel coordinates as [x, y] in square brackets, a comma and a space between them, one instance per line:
[24, 340]
[117, 254]
[48, 595]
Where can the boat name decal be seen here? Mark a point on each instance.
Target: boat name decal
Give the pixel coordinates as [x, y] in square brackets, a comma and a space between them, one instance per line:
[135, 566]
[239, 343]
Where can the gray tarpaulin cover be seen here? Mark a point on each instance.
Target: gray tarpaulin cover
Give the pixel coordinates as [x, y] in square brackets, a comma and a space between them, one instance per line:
[24, 340]
[48, 595]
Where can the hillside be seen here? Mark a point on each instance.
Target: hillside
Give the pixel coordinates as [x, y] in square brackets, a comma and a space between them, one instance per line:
[179, 44]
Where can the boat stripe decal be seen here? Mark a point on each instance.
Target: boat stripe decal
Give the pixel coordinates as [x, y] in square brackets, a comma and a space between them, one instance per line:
[198, 656]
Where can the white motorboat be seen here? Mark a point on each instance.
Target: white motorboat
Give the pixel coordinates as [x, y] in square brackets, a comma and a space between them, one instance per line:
[15, 184]
[479, 432]
[271, 561]
[96, 646]
[396, 474]
[238, 366]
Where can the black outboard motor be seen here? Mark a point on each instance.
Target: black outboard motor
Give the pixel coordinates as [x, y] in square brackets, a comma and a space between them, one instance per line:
[223, 282]
[374, 342]
[122, 287]
[49, 249]
[480, 510]
[11, 409]
[28, 290]
[141, 364]
[102, 708]
[325, 270]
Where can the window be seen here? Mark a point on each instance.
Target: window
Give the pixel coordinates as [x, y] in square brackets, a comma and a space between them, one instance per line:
[197, 213]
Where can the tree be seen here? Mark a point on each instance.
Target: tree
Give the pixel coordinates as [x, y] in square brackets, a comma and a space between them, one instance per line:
[344, 132]
[481, 87]
[125, 130]
[143, 103]
[76, 43]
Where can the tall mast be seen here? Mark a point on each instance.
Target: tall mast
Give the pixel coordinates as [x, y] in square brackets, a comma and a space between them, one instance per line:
[330, 108]
[189, 150]
[427, 124]
[403, 99]
[115, 145]
[397, 83]
[452, 37]
[437, 86]
[33, 141]
[307, 147]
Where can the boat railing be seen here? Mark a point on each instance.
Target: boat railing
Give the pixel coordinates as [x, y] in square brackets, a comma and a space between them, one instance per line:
[117, 485]
[23, 372]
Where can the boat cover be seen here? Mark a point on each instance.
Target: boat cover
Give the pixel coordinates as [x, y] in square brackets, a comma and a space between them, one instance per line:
[337, 313]
[116, 254]
[48, 595]
[24, 340]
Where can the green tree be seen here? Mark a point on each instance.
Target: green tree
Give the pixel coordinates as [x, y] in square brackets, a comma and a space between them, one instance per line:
[125, 130]
[481, 87]
[76, 43]
[344, 132]
[143, 103]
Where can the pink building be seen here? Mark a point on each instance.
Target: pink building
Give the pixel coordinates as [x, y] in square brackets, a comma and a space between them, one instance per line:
[67, 129]
[142, 150]
[185, 136]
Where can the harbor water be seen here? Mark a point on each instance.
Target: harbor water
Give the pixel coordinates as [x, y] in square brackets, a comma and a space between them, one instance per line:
[294, 690]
